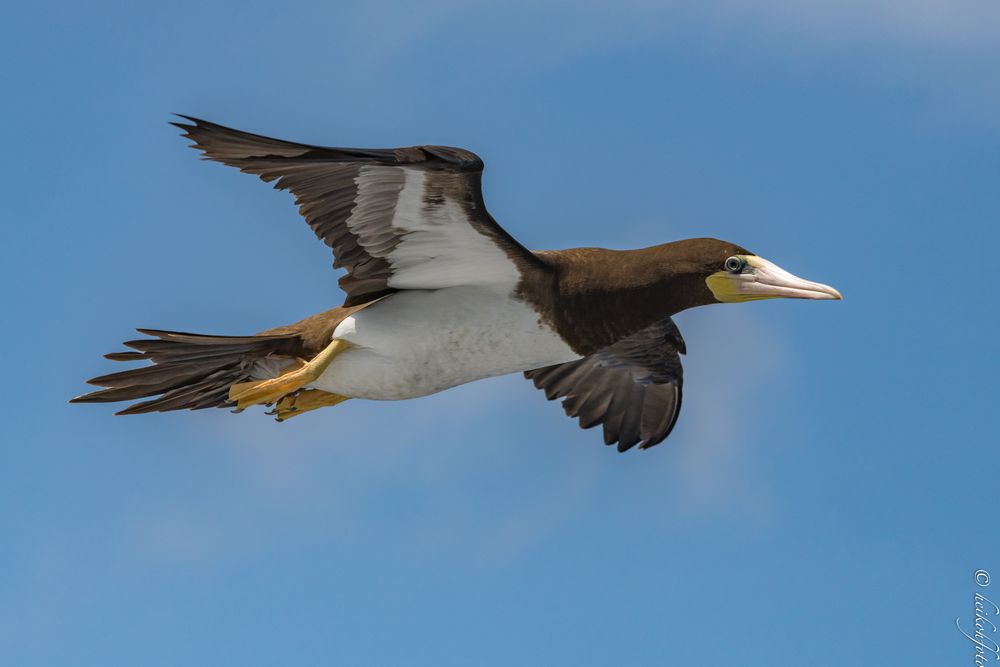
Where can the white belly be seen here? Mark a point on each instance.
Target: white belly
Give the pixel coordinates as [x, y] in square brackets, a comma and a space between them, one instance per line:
[415, 343]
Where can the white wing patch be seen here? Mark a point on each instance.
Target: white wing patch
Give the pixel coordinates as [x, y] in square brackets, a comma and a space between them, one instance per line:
[429, 246]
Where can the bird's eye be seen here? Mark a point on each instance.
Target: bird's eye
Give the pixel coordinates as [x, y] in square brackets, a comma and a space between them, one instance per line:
[735, 264]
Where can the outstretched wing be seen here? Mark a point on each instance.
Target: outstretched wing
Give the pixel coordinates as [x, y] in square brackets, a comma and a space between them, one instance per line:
[396, 218]
[632, 387]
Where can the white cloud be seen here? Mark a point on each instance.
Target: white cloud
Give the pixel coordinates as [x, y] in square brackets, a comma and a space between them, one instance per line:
[959, 24]
[589, 23]
[733, 358]
[946, 51]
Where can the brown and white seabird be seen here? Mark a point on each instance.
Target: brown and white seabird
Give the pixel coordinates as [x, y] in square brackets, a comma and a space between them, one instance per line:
[438, 294]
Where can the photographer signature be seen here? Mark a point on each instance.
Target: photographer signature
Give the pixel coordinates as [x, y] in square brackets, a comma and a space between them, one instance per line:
[984, 630]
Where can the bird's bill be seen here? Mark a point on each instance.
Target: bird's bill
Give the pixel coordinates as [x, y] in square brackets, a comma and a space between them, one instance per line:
[762, 279]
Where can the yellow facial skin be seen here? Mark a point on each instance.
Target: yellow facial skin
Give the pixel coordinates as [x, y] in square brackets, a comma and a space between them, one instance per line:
[761, 279]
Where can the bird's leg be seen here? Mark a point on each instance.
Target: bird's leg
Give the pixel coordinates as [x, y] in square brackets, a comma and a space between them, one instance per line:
[305, 400]
[240, 387]
[259, 392]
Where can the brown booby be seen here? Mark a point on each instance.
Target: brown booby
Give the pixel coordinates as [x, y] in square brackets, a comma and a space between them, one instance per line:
[438, 294]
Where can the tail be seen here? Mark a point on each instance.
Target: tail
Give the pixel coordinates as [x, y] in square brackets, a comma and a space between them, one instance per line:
[189, 371]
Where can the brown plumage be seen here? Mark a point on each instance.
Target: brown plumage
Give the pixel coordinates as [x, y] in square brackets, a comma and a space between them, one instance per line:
[413, 220]
[596, 297]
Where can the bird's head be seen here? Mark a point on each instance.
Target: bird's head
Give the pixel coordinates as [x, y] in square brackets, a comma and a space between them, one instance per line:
[731, 274]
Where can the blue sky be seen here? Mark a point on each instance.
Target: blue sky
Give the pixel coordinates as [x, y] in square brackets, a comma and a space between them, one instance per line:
[830, 487]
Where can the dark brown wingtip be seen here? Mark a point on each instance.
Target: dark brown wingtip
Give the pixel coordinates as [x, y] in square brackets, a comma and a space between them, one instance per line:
[125, 356]
[186, 128]
[194, 122]
[194, 130]
[134, 409]
[92, 397]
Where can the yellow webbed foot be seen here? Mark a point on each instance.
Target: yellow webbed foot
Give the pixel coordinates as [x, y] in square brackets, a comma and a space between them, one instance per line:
[303, 401]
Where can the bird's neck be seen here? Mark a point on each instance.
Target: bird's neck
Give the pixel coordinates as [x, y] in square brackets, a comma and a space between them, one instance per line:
[597, 296]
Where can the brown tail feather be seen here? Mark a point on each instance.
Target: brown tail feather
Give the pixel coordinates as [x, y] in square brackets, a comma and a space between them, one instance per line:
[195, 371]
[191, 371]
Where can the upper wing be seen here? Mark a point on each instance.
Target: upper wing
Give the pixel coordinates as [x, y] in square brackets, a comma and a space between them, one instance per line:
[396, 218]
[632, 387]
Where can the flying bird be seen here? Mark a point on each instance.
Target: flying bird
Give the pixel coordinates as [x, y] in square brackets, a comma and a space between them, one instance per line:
[438, 294]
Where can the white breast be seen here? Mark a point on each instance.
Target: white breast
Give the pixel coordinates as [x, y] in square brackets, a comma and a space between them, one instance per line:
[415, 343]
